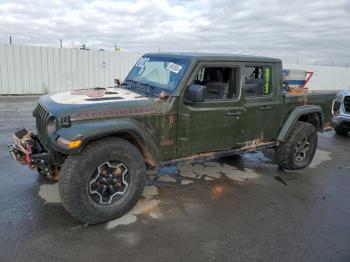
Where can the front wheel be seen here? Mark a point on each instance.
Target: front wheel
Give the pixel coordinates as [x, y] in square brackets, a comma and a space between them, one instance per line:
[103, 181]
[299, 149]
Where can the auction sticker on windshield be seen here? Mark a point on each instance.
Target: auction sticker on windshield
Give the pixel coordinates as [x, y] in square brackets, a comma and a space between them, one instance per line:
[142, 61]
[174, 67]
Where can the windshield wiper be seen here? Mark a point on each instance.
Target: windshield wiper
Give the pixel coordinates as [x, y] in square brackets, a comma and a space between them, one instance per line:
[146, 88]
[137, 86]
[152, 89]
[130, 84]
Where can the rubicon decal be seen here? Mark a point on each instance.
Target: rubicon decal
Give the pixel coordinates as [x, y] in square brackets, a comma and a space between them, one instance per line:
[112, 113]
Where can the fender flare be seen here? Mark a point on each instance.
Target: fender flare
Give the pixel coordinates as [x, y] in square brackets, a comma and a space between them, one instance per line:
[92, 130]
[294, 117]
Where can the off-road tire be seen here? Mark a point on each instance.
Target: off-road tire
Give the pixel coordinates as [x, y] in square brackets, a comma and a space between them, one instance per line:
[341, 131]
[78, 169]
[285, 150]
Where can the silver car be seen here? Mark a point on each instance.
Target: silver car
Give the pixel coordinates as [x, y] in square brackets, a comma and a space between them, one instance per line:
[341, 113]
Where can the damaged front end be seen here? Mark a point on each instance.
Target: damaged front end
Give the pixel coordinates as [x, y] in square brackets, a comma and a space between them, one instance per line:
[28, 150]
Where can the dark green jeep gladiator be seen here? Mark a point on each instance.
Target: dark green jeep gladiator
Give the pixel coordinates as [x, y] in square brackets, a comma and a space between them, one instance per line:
[98, 143]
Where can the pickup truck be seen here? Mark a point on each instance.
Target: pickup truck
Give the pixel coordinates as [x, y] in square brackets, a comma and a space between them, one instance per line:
[172, 107]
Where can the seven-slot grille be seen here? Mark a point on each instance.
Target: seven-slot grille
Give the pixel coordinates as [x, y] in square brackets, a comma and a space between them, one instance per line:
[347, 104]
[42, 116]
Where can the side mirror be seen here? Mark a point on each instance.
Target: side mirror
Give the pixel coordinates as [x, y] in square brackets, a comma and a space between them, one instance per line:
[196, 93]
[116, 82]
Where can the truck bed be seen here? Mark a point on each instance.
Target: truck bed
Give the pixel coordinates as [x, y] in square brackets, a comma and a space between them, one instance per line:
[322, 99]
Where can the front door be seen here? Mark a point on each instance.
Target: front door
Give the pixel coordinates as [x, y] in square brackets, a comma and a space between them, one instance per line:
[214, 124]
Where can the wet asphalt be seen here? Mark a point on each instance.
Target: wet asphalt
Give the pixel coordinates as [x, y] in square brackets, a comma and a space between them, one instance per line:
[240, 208]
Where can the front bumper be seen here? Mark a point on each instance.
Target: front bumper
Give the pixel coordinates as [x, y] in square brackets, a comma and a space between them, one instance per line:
[342, 121]
[28, 150]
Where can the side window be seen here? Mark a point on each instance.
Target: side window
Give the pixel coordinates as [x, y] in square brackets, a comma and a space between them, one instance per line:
[257, 81]
[221, 82]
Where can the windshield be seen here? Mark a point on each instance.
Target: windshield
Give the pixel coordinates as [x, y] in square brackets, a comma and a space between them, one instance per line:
[157, 74]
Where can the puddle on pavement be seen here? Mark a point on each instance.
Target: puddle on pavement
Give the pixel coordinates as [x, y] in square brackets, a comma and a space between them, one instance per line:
[320, 157]
[186, 182]
[150, 191]
[146, 206]
[215, 170]
[49, 192]
[183, 174]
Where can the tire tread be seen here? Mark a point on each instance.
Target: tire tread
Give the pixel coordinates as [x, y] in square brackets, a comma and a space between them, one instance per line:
[71, 173]
[283, 151]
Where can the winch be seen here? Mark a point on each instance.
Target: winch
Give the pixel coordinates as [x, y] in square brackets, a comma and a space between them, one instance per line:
[28, 150]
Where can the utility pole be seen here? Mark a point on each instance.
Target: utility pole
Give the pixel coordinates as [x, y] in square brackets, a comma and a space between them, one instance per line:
[117, 48]
[10, 40]
[61, 43]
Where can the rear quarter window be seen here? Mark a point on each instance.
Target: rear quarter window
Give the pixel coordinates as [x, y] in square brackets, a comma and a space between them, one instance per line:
[257, 80]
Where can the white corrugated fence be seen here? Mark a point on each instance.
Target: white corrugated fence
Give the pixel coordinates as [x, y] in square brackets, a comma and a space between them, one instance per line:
[36, 70]
[26, 70]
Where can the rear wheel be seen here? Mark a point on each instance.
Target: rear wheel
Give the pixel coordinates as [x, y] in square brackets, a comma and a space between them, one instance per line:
[299, 149]
[103, 181]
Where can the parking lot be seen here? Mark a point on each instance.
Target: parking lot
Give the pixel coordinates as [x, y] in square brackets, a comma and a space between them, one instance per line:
[240, 208]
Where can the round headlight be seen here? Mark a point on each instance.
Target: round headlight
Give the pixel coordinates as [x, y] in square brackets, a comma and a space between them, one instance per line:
[51, 126]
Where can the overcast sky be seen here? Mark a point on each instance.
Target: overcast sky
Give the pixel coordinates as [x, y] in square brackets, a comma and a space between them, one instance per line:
[311, 30]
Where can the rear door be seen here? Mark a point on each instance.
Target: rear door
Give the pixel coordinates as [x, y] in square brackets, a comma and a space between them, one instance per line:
[263, 101]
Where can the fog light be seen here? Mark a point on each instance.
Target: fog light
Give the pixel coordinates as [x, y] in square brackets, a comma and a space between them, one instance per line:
[69, 143]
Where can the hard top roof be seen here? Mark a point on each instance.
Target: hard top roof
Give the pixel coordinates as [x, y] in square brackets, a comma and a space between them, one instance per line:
[216, 57]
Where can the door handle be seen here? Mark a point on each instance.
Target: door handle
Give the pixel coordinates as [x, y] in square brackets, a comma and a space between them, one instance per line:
[233, 113]
[265, 107]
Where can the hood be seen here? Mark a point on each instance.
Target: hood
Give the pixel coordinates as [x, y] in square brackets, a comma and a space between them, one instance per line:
[98, 103]
[345, 92]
